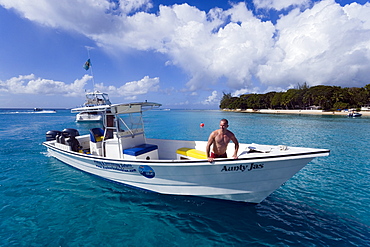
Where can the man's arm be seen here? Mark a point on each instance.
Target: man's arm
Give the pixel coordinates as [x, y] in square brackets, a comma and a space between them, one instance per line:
[211, 139]
[235, 141]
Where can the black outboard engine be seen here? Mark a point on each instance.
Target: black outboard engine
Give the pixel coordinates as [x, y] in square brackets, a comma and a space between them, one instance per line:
[71, 141]
[74, 144]
[70, 132]
[51, 135]
[61, 139]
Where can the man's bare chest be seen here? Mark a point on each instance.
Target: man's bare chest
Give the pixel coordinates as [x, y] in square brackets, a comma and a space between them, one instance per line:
[222, 138]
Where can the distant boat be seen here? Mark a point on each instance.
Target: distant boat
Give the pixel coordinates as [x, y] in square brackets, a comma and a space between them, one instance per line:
[92, 110]
[354, 114]
[40, 110]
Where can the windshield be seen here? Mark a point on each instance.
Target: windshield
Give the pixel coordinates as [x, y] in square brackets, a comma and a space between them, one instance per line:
[131, 122]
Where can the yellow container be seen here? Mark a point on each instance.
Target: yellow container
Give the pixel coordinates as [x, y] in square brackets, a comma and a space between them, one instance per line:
[193, 153]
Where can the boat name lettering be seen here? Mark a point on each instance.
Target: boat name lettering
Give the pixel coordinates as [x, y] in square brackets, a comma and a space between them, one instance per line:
[114, 166]
[242, 168]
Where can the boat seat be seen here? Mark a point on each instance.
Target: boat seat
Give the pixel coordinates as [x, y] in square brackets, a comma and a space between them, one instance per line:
[141, 152]
[191, 153]
[141, 149]
[96, 134]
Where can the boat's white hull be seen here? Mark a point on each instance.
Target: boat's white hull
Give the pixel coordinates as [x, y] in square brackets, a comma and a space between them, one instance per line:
[92, 110]
[354, 115]
[251, 178]
[45, 112]
[87, 117]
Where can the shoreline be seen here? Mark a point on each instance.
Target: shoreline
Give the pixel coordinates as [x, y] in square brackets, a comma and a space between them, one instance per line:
[312, 112]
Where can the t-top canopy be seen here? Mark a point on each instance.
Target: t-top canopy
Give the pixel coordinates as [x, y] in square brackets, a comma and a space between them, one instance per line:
[121, 108]
[133, 107]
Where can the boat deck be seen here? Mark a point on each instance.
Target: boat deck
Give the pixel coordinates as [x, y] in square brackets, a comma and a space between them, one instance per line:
[139, 148]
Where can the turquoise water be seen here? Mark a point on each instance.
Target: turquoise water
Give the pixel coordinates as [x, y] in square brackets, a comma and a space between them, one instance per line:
[47, 203]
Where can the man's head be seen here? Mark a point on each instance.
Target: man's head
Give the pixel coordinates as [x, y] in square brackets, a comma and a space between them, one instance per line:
[224, 123]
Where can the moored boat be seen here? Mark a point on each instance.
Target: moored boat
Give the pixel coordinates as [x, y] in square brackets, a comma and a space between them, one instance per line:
[93, 108]
[354, 114]
[120, 152]
[89, 116]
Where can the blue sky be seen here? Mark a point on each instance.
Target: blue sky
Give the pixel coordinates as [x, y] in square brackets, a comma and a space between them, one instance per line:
[183, 54]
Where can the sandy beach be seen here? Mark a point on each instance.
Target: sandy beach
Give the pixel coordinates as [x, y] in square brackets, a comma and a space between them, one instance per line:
[314, 112]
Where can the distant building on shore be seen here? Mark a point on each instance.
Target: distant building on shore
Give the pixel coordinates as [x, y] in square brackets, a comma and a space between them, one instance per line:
[365, 107]
[313, 107]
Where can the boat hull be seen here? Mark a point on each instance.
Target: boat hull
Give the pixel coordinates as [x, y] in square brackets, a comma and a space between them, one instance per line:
[89, 117]
[247, 179]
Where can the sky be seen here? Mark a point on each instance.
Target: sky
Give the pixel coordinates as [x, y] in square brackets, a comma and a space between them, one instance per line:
[182, 54]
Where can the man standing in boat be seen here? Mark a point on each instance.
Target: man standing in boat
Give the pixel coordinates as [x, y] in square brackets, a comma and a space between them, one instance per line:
[219, 139]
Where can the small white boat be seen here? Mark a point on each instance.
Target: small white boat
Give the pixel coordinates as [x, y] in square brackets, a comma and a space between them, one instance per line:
[354, 114]
[89, 116]
[120, 152]
[92, 110]
[40, 110]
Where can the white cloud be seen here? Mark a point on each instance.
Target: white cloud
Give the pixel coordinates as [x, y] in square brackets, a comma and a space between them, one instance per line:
[212, 99]
[325, 44]
[89, 17]
[192, 39]
[131, 90]
[239, 92]
[232, 51]
[280, 4]
[29, 84]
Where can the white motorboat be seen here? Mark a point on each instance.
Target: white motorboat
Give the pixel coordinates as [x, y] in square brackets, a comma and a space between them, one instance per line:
[354, 114]
[40, 110]
[89, 116]
[93, 108]
[120, 152]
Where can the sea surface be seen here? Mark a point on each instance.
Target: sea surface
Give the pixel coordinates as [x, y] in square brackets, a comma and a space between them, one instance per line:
[44, 202]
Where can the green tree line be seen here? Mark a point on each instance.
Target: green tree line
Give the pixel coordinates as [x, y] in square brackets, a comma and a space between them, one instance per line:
[327, 97]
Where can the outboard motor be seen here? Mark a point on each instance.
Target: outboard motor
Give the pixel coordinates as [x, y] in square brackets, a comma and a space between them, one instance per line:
[61, 139]
[70, 132]
[74, 144]
[51, 135]
[57, 138]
